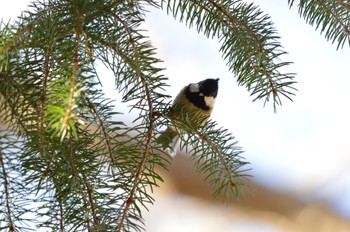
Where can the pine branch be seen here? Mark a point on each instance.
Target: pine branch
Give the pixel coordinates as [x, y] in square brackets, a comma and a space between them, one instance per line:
[223, 162]
[7, 194]
[104, 128]
[20, 37]
[11, 111]
[74, 77]
[332, 17]
[215, 151]
[61, 216]
[254, 35]
[249, 43]
[218, 156]
[13, 194]
[139, 172]
[148, 136]
[47, 68]
[101, 177]
[92, 204]
[136, 81]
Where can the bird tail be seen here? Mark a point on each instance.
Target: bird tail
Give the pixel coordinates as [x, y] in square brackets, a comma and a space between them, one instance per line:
[169, 139]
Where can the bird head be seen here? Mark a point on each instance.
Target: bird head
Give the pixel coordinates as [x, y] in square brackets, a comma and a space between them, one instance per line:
[203, 93]
[209, 87]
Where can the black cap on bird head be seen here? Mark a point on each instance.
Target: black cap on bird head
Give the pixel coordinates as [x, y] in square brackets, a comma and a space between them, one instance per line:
[203, 93]
[209, 87]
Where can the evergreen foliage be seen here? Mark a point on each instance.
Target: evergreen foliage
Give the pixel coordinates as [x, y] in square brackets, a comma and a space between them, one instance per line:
[66, 162]
[332, 17]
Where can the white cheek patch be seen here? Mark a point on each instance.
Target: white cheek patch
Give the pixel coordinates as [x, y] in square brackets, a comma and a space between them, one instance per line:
[209, 101]
[194, 88]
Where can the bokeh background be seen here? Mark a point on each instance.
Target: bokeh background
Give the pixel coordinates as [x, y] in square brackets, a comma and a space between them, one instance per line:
[299, 157]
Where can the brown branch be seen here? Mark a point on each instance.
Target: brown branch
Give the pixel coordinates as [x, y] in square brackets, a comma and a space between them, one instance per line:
[43, 101]
[92, 203]
[87, 220]
[335, 16]
[61, 216]
[29, 27]
[235, 21]
[58, 195]
[221, 156]
[7, 194]
[113, 46]
[75, 72]
[203, 136]
[272, 85]
[150, 126]
[104, 132]
[12, 105]
[71, 157]
[135, 65]
[42, 111]
[345, 5]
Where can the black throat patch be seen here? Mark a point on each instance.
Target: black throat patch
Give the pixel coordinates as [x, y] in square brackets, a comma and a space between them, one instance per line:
[196, 99]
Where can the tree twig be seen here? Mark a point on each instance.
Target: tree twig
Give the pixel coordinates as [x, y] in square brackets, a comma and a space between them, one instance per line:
[7, 194]
[150, 126]
[205, 138]
[103, 128]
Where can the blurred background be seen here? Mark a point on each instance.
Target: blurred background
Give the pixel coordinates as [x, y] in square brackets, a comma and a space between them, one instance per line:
[299, 157]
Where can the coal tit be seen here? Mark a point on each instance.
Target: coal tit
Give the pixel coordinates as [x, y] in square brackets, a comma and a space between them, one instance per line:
[196, 102]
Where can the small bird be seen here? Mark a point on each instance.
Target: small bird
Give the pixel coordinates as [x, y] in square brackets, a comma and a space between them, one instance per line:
[195, 102]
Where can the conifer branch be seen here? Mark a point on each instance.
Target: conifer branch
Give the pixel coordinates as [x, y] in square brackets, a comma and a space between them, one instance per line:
[343, 4]
[7, 194]
[61, 215]
[92, 204]
[10, 104]
[139, 172]
[22, 33]
[74, 74]
[230, 21]
[101, 124]
[217, 150]
[334, 15]
[87, 214]
[249, 43]
[236, 21]
[191, 129]
[333, 18]
[150, 128]
[71, 158]
[43, 98]
[47, 60]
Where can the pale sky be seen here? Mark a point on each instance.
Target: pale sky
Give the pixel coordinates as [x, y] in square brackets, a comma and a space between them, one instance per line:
[304, 149]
